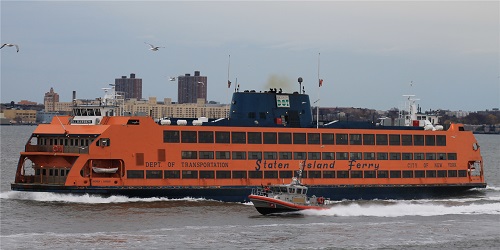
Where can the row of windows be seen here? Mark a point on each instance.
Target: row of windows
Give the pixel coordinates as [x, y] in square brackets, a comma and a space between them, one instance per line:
[226, 174]
[66, 141]
[302, 138]
[255, 155]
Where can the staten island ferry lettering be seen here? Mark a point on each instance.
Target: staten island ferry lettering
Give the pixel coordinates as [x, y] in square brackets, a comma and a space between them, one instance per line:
[265, 136]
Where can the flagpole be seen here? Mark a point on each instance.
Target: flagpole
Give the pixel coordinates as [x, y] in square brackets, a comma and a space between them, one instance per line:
[317, 107]
[229, 86]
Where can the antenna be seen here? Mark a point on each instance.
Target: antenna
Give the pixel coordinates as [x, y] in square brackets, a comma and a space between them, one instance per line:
[319, 85]
[228, 82]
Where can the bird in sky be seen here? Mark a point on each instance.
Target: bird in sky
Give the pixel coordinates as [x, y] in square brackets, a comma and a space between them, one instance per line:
[153, 48]
[10, 45]
[172, 79]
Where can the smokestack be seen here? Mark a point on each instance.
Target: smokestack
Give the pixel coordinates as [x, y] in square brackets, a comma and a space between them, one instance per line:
[197, 73]
[132, 75]
[74, 95]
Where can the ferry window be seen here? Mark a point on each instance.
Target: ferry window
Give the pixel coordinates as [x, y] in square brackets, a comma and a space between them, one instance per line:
[90, 112]
[430, 140]
[284, 138]
[84, 112]
[239, 155]
[254, 155]
[394, 140]
[207, 174]
[313, 138]
[299, 138]
[222, 137]
[270, 138]
[355, 139]
[286, 174]
[188, 137]
[56, 172]
[369, 139]
[441, 173]
[419, 156]
[419, 174]
[44, 172]
[407, 156]
[270, 155]
[270, 174]
[381, 139]
[370, 174]
[252, 115]
[222, 155]
[135, 174]
[342, 139]
[239, 174]
[430, 173]
[441, 156]
[313, 156]
[452, 173]
[189, 155]
[206, 154]
[327, 139]
[462, 173]
[441, 140]
[328, 156]
[37, 171]
[355, 156]
[154, 174]
[342, 174]
[342, 156]
[98, 112]
[299, 155]
[382, 156]
[139, 159]
[254, 138]
[223, 174]
[133, 122]
[171, 136]
[161, 154]
[395, 156]
[255, 174]
[328, 174]
[382, 174]
[285, 155]
[188, 174]
[418, 140]
[172, 174]
[314, 174]
[407, 174]
[206, 137]
[369, 156]
[430, 156]
[238, 137]
[356, 174]
[262, 115]
[63, 172]
[452, 156]
[406, 140]
[395, 174]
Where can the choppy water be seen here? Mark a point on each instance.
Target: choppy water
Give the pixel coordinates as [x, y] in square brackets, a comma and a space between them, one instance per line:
[57, 221]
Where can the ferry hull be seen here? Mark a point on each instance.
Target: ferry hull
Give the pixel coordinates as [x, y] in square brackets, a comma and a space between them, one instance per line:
[240, 194]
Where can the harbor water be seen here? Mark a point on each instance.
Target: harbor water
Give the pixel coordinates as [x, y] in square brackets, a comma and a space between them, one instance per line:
[63, 221]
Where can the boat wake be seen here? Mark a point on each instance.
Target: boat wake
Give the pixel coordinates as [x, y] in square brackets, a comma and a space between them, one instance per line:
[83, 199]
[396, 208]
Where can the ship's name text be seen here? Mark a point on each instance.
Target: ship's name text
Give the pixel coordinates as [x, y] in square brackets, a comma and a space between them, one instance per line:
[262, 165]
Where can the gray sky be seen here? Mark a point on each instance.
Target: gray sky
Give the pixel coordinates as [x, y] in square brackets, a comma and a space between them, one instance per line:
[369, 50]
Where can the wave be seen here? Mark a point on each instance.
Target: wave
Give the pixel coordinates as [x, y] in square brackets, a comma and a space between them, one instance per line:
[405, 208]
[84, 198]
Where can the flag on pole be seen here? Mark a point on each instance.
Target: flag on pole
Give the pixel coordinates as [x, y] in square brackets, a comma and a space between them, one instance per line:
[228, 84]
[320, 82]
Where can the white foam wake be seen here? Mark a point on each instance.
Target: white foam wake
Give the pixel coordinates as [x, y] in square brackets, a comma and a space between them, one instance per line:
[84, 198]
[405, 208]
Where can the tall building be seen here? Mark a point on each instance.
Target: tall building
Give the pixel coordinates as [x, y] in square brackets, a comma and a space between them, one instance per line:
[191, 88]
[50, 99]
[131, 87]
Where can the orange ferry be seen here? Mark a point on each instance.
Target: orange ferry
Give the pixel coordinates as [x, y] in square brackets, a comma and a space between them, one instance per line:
[264, 137]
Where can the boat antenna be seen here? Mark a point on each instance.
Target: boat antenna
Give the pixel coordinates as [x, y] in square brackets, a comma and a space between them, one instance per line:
[320, 82]
[228, 82]
[299, 172]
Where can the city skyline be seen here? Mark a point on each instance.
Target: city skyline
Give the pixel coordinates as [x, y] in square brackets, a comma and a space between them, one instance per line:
[367, 53]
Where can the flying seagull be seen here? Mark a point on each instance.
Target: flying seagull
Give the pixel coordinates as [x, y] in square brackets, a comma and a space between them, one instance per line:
[153, 48]
[172, 79]
[10, 45]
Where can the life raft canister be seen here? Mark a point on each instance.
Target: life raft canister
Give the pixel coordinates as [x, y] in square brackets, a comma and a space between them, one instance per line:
[321, 200]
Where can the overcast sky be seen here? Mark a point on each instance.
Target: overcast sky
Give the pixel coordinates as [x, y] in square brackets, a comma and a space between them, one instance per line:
[368, 52]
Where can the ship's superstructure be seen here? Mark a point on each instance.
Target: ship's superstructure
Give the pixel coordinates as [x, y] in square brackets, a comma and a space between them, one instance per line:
[261, 141]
